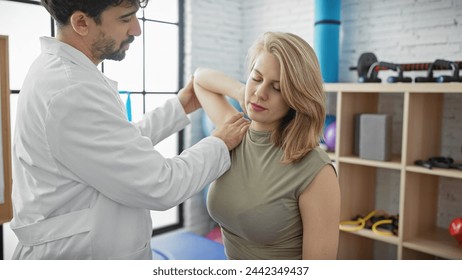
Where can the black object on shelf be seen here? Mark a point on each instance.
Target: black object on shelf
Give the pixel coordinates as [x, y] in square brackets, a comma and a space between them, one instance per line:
[440, 162]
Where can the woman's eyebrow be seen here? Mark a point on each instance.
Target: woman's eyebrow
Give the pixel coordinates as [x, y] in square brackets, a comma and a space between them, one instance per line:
[259, 73]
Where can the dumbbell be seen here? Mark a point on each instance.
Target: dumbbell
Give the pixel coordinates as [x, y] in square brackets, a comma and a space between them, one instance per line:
[365, 61]
[368, 67]
[455, 71]
[395, 67]
[441, 64]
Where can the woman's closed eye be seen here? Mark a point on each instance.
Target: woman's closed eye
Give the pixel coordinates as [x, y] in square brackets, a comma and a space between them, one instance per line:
[256, 79]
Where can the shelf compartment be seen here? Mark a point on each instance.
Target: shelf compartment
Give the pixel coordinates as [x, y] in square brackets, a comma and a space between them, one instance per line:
[394, 163]
[436, 242]
[361, 188]
[355, 247]
[348, 105]
[420, 226]
[357, 189]
[423, 126]
[364, 245]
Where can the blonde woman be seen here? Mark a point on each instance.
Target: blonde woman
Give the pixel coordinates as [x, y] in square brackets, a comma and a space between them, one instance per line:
[281, 198]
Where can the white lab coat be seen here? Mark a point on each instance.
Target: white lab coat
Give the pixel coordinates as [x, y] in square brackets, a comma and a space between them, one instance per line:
[83, 176]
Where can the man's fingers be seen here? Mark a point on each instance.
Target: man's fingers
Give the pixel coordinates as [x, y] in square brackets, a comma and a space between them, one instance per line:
[233, 130]
[244, 127]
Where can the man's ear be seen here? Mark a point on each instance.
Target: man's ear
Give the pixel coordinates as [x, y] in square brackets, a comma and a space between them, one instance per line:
[80, 23]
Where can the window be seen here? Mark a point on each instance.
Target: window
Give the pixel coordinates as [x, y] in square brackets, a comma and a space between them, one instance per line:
[154, 60]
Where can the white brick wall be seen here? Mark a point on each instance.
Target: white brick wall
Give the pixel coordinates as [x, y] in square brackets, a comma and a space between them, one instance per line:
[400, 31]
[295, 16]
[214, 34]
[219, 32]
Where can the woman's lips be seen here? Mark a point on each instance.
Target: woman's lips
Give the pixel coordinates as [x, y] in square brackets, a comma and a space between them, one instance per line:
[257, 107]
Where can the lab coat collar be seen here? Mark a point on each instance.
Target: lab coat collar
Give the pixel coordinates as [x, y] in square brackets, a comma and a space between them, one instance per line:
[55, 47]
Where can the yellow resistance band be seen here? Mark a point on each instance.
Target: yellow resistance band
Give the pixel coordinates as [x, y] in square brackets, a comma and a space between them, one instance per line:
[382, 232]
[356, 225]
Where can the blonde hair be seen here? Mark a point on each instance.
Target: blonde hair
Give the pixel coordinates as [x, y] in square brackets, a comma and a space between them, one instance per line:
[302, 89]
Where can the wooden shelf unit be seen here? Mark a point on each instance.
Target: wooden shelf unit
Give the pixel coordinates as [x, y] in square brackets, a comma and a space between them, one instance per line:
[419, 236]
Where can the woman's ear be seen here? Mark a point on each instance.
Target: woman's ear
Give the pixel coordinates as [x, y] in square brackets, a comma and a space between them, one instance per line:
[80, 23]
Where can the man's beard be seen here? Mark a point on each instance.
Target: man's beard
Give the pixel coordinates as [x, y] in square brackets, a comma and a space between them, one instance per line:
[104, 49]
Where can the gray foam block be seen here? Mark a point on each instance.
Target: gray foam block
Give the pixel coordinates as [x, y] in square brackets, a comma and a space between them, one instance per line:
[375, 137]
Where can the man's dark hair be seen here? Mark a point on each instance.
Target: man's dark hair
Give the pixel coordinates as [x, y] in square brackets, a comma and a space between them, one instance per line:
[61, 10]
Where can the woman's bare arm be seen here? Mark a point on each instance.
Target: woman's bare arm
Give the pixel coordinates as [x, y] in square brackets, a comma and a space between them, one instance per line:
[319, 207]
[211, 88]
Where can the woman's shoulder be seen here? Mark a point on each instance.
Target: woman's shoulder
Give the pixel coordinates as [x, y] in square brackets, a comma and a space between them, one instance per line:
[317, 154]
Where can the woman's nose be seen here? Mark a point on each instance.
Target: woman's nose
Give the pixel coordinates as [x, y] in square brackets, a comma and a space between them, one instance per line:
[261, 92]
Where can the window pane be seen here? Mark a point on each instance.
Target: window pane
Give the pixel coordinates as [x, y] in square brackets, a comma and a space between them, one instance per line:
[169, 146]
[164, 218]
[128, 72]
[161, 57]
[162, 10]
[156, 100]
[23, 24]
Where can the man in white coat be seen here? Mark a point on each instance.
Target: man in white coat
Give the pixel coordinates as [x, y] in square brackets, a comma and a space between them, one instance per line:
[84, 177]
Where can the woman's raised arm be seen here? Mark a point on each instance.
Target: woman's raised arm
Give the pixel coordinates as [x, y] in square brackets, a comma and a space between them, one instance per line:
[211, 88]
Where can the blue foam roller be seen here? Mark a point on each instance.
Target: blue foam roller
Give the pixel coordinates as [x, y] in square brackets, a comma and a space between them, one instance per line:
[326, 37]
[327, 10]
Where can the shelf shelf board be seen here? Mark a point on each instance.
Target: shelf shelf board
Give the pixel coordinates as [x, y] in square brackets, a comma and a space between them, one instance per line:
[397, 87]
[367, 233]
[437, 242]
[452, 173]
[394, 163]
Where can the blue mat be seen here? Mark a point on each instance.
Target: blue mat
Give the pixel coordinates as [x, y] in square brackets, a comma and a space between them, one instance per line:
[186, 246]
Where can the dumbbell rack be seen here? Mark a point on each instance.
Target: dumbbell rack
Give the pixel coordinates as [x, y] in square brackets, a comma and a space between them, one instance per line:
[368, 68]
[419, 235]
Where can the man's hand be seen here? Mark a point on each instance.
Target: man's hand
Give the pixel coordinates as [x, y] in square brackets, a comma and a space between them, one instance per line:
[188, 98]
[233, 130]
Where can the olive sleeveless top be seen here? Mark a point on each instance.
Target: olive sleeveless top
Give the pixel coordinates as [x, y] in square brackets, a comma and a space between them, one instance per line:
[256, 200]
